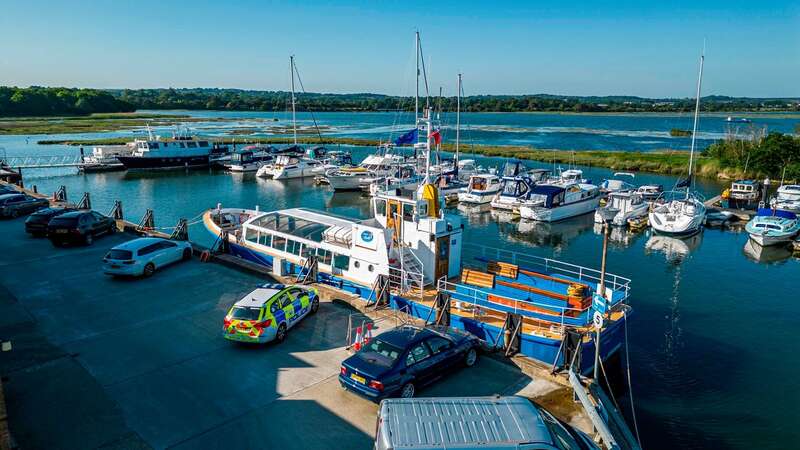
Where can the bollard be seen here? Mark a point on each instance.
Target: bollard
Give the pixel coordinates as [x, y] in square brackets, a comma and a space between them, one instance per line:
[35, 189]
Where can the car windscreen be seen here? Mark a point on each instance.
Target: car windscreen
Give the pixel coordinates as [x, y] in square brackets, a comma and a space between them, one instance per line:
[380, 352]
[64, 221]
[243, 313]
[120, 254]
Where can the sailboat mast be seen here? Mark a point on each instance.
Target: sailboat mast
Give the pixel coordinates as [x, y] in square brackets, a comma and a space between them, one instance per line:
[458, 118]
[416, 95]
[696, 118]
[294, 113]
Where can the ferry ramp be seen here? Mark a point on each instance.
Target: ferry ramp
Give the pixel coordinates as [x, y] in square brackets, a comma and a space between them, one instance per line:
[98, 362]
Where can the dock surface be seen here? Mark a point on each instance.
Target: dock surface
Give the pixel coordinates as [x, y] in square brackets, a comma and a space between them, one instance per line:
[99, 362]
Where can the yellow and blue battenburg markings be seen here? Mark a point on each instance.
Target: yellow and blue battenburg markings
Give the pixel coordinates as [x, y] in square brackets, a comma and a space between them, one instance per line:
[269, 319]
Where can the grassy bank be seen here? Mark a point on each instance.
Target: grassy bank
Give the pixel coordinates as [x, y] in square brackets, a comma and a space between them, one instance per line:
[89, 124]
[664, 162]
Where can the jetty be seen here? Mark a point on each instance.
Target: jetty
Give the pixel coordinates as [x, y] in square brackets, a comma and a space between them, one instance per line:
[141, 362]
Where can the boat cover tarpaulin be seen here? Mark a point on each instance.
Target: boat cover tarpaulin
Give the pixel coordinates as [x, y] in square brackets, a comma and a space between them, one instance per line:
[777, 213]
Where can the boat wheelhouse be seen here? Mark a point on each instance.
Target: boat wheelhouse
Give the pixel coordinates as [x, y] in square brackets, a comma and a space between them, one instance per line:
[516, 185]
[250, 158]
[744, 193]
[650, 192]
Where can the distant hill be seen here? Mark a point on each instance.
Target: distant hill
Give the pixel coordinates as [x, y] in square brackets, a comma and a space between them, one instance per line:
[40, 101]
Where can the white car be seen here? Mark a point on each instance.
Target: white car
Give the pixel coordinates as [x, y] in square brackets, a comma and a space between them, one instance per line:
[142, 256]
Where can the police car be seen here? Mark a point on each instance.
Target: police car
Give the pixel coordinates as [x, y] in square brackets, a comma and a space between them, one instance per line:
[267, 313]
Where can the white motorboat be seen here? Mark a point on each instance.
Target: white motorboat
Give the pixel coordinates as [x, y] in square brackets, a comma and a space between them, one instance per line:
[182, 151]
[481, 189]
[682, 213]
[572, 176]
[773, 227]
[554, 202]
[104, 158]
[250, 159]
[616, 184]
[381, 164]
[516, 183]
[627, 204]
[787, 198]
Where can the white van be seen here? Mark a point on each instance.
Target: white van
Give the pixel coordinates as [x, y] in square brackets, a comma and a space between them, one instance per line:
[472, 423]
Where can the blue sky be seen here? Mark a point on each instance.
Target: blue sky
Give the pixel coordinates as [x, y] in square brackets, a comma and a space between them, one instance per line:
[501, 47]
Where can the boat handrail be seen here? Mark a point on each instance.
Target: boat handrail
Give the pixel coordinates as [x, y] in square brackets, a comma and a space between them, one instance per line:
[476, 293]
[581, 273]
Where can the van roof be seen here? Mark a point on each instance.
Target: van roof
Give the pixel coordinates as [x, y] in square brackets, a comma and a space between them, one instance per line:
[445, 422]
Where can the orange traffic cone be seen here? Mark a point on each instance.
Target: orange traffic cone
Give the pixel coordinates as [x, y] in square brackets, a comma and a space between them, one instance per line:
[359, 337]
[368, 334]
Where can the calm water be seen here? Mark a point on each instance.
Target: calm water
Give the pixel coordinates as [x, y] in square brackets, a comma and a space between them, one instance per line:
[712, 345]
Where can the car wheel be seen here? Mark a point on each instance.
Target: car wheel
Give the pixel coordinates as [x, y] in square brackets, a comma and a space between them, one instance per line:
[314, 305]
[149, 269]
[407, 391]
[88, 239]
[187, 254]
[471, 357]
[280, 335]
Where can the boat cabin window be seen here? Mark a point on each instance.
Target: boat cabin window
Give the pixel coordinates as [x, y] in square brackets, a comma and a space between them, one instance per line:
[278, 242]
[265, 239]
[293, 247]
[479, 184]
[341, 262]
[324, 256]
[380, 206]
[251, 235]
[152, 145]
[192, 144]
[203, 143]
[408, 212]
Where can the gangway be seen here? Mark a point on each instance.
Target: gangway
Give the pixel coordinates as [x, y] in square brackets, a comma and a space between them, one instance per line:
[41, 161]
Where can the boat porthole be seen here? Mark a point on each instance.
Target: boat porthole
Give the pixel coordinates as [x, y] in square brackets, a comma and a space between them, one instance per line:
[371, 268]
[357, 264]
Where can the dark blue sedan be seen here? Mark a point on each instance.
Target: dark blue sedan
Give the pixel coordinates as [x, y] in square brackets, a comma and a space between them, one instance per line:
[399, 361]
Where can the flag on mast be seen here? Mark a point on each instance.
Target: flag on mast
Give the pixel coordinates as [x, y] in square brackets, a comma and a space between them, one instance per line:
[407, 138]
[437, 137]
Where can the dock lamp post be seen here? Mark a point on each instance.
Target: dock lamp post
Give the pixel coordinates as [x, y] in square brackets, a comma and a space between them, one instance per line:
[600, 306]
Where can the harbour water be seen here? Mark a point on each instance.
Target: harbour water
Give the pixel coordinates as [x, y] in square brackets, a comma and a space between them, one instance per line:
[712, 351]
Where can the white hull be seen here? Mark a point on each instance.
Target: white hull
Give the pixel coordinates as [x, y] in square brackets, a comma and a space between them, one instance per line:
[557, 213]
[477, 198]
[283, 173]
[677, 222]
[348, 182]
[766, 241]
[622, 217]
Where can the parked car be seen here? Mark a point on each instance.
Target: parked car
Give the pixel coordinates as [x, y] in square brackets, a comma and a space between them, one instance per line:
[8, 189]
[142, 256]
[79, 227]
[15, 205]
[399, 361]
[473, 422]
[36, 223]
[267, 313]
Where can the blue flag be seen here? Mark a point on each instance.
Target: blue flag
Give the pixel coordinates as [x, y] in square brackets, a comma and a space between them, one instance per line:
[407, 138]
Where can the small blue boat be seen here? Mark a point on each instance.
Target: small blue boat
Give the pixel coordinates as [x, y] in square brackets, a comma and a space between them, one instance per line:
[773, 227]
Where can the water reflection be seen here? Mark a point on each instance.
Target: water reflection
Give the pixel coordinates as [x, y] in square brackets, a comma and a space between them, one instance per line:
[475, 215]
[552, 234]
[769, 255]
[674, 249]
[618, 237]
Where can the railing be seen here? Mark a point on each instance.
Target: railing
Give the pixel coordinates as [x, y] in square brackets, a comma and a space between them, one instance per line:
[480, 300]
[581, 273]
[43, 161]
[406, 282]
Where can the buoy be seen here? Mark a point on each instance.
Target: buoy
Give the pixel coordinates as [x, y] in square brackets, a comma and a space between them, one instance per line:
[359, 337]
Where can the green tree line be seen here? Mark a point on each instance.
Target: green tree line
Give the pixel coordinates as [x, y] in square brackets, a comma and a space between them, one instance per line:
[42, 101]
[775, 155]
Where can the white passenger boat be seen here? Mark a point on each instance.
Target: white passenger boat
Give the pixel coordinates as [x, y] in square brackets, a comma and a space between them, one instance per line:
[787, 198]
[773, 227]
[554, 202]
[682, 213]
[626, 205]
[481, 189]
